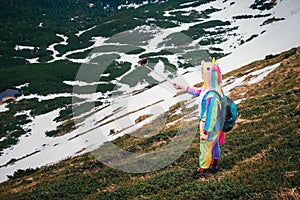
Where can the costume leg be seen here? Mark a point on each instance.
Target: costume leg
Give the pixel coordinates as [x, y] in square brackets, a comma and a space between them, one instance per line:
[209, 149]
[205, 153]
[216, 151]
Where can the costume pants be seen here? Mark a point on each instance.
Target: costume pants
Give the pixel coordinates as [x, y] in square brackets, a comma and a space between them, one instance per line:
[209, 149]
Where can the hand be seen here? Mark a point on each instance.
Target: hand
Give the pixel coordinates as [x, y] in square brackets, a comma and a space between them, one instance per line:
[204, 135]
[177, 86]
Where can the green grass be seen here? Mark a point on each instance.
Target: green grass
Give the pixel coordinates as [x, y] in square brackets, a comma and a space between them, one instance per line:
[20, 25]
[260, 159]
[262, 5]
[268, 134]
[198, 31]
[43, 79]
[62, 129]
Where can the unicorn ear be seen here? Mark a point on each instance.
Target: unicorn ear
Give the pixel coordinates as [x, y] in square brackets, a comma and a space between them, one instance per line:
[202, 62]
[213, 61]
[217, 73]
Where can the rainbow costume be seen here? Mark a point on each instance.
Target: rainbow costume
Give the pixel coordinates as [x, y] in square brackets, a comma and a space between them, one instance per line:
[209, 109]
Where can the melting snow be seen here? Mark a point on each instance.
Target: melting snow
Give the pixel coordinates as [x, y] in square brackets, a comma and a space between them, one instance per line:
[48, 149]
[55, 53]
[262, 73]
[158, 99]
[82, 32]
[239, 101]
[33, 60]
[188, 3]
[132, 5]
[21, 86]
[88, 97]
[3, 107]
[81, 83]
[22, 47]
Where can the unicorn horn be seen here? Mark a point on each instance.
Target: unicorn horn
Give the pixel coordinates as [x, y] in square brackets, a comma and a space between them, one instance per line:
[213, 61]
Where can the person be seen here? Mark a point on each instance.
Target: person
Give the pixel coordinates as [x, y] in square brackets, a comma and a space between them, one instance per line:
[209, 107]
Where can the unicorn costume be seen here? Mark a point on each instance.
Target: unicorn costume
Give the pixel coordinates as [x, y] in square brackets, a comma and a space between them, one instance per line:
[209, 108]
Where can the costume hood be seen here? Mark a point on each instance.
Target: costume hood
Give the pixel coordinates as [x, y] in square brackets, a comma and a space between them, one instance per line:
[212, 77]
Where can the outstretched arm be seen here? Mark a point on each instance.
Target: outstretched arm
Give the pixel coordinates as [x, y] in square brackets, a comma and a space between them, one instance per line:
[189, 89]
[193, 90]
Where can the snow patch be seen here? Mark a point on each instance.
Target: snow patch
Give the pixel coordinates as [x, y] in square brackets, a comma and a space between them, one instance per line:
[262, 73]
[161, 96]
[33, 60]
[188, 3]
[137, 5]
[48, 149]
[55, 53]
[132, 5]
[239, 100]
[88, 97]
[99, 41]
[22, 47]
[3, 107]
[271, 42]
[21, 86]
[23, 112]
[81, 83]
[82, 32]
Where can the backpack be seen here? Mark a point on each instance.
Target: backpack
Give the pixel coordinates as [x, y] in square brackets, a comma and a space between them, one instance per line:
[228, 111]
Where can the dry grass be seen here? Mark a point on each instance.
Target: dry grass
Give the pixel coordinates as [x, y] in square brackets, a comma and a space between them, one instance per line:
[240, 169]
[288, 194]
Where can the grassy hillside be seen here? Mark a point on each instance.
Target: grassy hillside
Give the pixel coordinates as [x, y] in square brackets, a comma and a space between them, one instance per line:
[260, 158]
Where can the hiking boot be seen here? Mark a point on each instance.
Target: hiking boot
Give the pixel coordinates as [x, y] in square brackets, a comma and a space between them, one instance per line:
[200, 173]
[214, 166]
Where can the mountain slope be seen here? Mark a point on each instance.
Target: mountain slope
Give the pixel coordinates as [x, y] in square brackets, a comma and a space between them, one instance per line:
[61, 35]
[260, 158]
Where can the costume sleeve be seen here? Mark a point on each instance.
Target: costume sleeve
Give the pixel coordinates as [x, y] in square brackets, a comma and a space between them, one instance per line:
[212, 105]
[193, 90]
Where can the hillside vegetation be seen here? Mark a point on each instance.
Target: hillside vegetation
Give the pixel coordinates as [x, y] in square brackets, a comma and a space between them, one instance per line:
[36, 23]
[260, 158]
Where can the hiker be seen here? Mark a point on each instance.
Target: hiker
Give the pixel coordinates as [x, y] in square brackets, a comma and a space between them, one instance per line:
[211, 134]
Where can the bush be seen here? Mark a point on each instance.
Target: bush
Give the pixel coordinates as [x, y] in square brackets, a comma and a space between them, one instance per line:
[20, 173]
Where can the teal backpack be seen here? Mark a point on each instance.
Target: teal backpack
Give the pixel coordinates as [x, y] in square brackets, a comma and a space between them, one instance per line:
[228, 111]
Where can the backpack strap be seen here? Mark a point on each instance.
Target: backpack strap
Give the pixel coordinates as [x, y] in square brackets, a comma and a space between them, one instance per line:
[214, 91]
